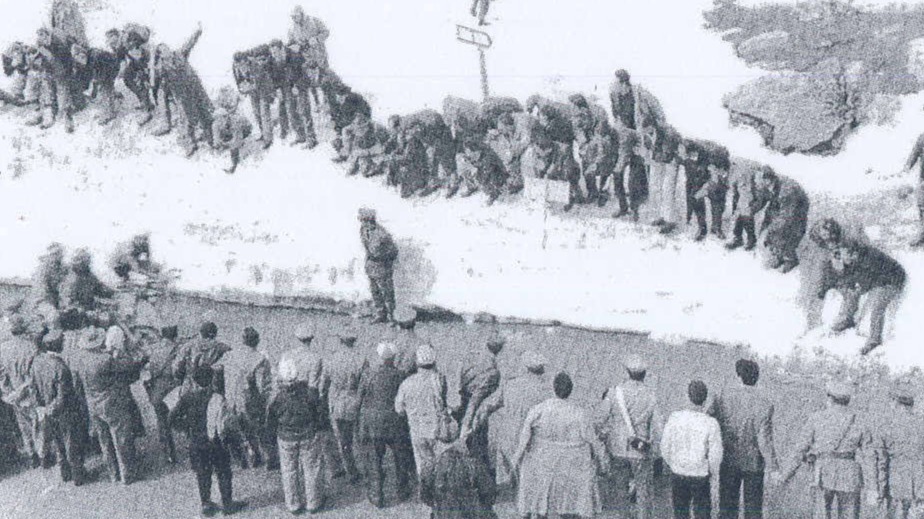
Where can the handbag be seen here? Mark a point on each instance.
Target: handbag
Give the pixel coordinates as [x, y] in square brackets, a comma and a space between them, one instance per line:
[634, 442]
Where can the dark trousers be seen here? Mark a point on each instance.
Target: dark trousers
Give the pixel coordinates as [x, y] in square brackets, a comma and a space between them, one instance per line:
[732, 484]
[477, 444]
[207, 458]
[691, 495]
[164, 433]
[375, 472]
[383, 294]
[744, 231]
[136, 80]
[61, 438]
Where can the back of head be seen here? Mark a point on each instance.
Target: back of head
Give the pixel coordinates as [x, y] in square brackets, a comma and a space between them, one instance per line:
[622, 75]
[748, 371]
[169, 332]
[697, 392]
[208, 330]
[251, 337]
[826, 231]
[578, 100]
[562, 385]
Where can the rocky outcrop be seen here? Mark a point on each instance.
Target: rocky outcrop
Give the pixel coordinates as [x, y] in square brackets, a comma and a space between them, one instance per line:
[790, 115]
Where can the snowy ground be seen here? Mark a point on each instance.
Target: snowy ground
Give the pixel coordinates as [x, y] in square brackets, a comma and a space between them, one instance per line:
[285, 224]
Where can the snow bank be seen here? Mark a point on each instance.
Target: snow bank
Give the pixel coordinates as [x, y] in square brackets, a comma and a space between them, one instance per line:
[285, 224]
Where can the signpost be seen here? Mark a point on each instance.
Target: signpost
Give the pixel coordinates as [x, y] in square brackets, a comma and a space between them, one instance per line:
[482, 41]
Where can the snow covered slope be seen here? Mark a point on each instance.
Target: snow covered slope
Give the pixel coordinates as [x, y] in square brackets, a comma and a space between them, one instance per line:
[285, 224]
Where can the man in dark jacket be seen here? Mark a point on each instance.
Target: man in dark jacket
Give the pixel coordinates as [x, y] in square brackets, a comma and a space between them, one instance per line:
[458, 486]
[57, 407]
[159, 382]
[480, 168]
[205, 350]
[304, 64]
[745, 416]
[381, 254]
[857, 269]
[785, 219]
[130, 47]
[81, 290]
[16, 356]
[96, 70]
[706, 165]
[253, 72]
[381, 428]
[479, 381]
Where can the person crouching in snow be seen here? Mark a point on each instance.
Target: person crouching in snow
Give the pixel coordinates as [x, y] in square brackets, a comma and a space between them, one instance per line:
[230, 129]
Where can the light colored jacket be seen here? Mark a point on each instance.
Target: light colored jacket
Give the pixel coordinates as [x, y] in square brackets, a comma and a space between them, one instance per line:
[644, 413]
[422, 397]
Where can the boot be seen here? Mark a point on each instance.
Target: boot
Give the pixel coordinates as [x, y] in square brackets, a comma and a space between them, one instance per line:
[48, 119]
[191, 150]
[69, 123]
[844, 324]
[146, 118]
[871, 344]
[667, 228]
[734, 244]
[787, 265]
[35, 120]
[620, 213]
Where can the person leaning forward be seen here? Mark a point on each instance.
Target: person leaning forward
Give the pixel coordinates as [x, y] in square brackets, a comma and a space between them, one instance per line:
[832, 440]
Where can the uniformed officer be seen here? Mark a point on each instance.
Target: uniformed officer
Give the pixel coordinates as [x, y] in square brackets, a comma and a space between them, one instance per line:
[479, 380]
[308, 362]
[406, 340]
[345, 370]
[900, 456]
[381, 254]
[832, 440]
[631, 422]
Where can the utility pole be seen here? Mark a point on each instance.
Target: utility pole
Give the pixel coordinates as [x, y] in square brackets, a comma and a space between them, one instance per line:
[483, 42]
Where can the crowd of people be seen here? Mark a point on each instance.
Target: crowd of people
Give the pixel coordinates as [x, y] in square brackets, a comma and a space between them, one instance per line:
[67, 364]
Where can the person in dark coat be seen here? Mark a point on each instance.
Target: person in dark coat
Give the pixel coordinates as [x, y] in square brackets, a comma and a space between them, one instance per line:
[230, 129]
[381, 428]
[409, 167]
[254, 75]
[197, 416]
[479, 381]
[480, 168]
[435, 134]
[706, 165]
[785, 219]
[81, 290]
[96, 70]
[597, 151]
[205, 350]
[546, 158]
[16, 356]
[458, 486]
[381, 254]
[304, 66]
[130, 47]
[159, 382]
[179, 78]
[630, 176]
[106, 381]
[856, 269]
[57, 407]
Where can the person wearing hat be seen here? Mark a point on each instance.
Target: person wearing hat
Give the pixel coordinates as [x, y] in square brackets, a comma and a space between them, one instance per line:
[249, 382]
[381, 255]
[346, 368]
[81, 290]
[479, 380]
[106, 380]
[382, 428]
[422, 399]
[205, 350]
[406, 340]
[745, 415]
[57, 407]
[634, 108]
[480, 168]
[96, 70]
[834, 440]
[518, 395]
[305, 358]
[230, 129]
[785, 219]
[900, 456]
[631, 420]
[16, 355]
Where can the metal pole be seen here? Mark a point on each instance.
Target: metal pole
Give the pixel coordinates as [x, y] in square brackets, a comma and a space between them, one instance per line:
[484, 73]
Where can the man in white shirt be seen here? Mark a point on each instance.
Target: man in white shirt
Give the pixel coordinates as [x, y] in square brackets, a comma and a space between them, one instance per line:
[692, 448]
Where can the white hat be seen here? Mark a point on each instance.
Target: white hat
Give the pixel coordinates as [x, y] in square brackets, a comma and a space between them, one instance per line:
[288, 371]
[115, 339]
[533, 361]
[426, 355]
[304, 332]
[386, 350]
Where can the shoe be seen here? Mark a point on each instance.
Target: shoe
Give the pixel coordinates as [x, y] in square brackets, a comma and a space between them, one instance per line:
[191, 151]
[840, 326]
[601, 201]
[36, 461]
[700, 236]
[311, 143]
[667, 228]
[35, 120]
[318, 508]
[163, 130]
[468, 192]
[404, 496]
[298, 140]
[103, 121]
[69, 125]
[145, 119]
[209, 509]
[377, 501]
[48, 462]
[47, 122]
[751, 245]
[718, 233]
[233, 507]
[620, 213]
[774, 263]
[659, 222]
[569, 206]
[870, 345]
[451, 192]
[492, 199]
[734, 244]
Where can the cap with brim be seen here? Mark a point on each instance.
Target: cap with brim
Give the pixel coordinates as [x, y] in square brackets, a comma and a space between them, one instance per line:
[347, 334]
[839, 390]
[386, 350]
[635, 364]
[288, 371]
[426, 355]
[92, 338]
[496, 339]
[405, 315]
[533, 361]
[304, 332]
[902, 394]
[366, 214]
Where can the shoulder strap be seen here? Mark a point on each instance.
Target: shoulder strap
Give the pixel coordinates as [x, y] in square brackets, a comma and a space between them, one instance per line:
[837, 446]
[621, 402]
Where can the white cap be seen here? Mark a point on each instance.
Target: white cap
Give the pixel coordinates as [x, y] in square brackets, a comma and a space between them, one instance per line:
[288, 371]
[115, 339]
[425, 355]
[386, 350]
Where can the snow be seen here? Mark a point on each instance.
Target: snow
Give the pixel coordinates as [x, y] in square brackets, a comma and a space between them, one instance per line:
[285, 223]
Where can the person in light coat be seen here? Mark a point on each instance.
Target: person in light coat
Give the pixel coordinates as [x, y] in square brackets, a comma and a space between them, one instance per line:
[346, 369]
[899, 451]
[422, 399]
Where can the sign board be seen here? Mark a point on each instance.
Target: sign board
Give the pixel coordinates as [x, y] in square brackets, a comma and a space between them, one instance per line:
[543, 190]
[473, 37]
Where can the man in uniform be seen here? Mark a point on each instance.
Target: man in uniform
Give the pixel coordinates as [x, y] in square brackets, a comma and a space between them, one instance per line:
[421, 399]
[306, 68]
[308, 362]
[597, 151]
[509, 144]
[406, 340]
[630, 176]
[900, 456]
[57, 408]
[345, 370]
[631, 425]
[664, 165]
[309, 31]
[546, 158]
[633, 107]
[248, 384]
[16, 355]
[745, 416]
[441, 146]
[204, 351]
[785, 219]
[833, 440]
[479, 379]
[381, 254]
[364, 144]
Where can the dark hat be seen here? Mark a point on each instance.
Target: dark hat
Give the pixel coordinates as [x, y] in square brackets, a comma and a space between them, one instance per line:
[839, 390]
[366, 214]
[697, 391]
[622, 75]
[578, 100]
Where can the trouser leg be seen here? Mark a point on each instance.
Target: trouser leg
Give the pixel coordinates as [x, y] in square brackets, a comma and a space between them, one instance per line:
[107, 445]
[753, 495]
[257, 110]
[668, 193]
[289, 98]
[717, 211]
[123, 438]
[343, 429]
[303, 106]
[27, 430]
[879, 300]
[680, 497]
[478, 447]
[292, 487]
[701, 498]
[848, 505]
[221, 461]
[590, 183]
[643, 475]
[729, 492]
[376, 287]
[375, 473]
[204, 484]
[404, 459]
[824, 500]
[849, 307]
[424, 454]
[164, 433]
[312, 461]
[266, 113]
[287, 117]
[619, 190]
[698, 208]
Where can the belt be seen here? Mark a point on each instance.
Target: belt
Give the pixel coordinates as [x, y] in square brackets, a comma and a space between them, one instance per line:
[838, 456]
